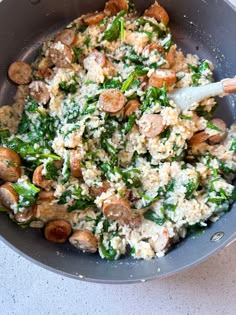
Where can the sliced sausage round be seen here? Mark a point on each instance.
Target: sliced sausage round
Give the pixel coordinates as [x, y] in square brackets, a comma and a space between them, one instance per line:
[151, 125]
[219, 123]
[93, 18]
[26, 215]
[170, 55]
[116, 208]
[154, 46]
[8, 196]
[46, 195]
[11, 156]
[75, 163]
[96, 191]
[112, 7]
[10, 162]
[39, 92]
[66, 37]
[44, 73]
[20, 72]
[61, 55]
[158, 12]
[162, 76]
[198, 138]
[39, 179]
[131, 107]
[84, 240]
[111, 101]
[95, 57]
[57, 231]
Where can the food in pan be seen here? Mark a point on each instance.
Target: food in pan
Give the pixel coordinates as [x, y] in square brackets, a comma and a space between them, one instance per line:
[95, 153]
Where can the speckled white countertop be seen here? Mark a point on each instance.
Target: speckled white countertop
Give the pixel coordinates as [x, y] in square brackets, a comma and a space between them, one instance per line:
[209, 288]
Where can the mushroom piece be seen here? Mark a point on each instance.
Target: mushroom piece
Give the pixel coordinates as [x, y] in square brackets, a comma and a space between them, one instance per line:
[131, 107]
[8, 196]
[66, 37]
[151, 125]
[221, 125]
[111, 101]
[116, 208]
[93, 18]
[9, 165]
[57, 231]
[20, 72]
[158, 12]
[39, 179]
[162, 76]
[84, 240]
[39, 92]
[26, 215]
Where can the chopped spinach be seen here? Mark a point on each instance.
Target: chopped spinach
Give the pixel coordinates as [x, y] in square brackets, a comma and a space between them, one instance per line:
[113, 32]
[152, 216]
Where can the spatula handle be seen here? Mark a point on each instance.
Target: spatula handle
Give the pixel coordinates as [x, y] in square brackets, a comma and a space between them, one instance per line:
[229, 85]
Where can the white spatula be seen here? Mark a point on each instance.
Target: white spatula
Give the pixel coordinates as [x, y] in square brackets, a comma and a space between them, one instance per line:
[185, 97]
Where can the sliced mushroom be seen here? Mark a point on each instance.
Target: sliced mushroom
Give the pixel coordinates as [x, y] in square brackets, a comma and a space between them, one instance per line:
[8, 196]
[161, 242]
[84, 240]
[57, 231]
[198, 138]
[39, 92]
[66, 37]
[151, 125]
[162, 76]
[131, 107]
[39, 179]
[75, 163]
[112, 7]
[20, 72]
[93, 18]
[158, 12]
[9, 165]
[116, 208]
[26, 215]
[61, 55]
[111, 101]
[220, 124]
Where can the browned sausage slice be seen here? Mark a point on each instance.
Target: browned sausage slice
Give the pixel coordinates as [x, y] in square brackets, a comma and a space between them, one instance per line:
[115, 208]
[93, 18]
[198, 138]
[20, 72]
[151, 125]
[9, 165]
[11, 156]
[39, 179]
[161, 76]
[131, 107]
[170, 55]
[26, 215]
[219, 123]
[46, 195]
[57, 231]
[61, 55]
[39, 92]
[112, 7]
[95, 57]
[75, 163]
[8, 196]
[111, 101]
[45, 73]
[84, 240]
[67, 37]
[158, 12]
[97, 191]
[154, 46]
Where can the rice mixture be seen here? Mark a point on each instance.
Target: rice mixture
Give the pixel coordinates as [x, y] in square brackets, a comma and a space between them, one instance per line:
[95, 152]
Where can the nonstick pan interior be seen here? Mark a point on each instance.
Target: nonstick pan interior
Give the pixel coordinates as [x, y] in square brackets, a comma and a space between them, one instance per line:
[206, 28]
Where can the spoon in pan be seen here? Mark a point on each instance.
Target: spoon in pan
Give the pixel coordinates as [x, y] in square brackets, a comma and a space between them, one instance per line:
[185, 97]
